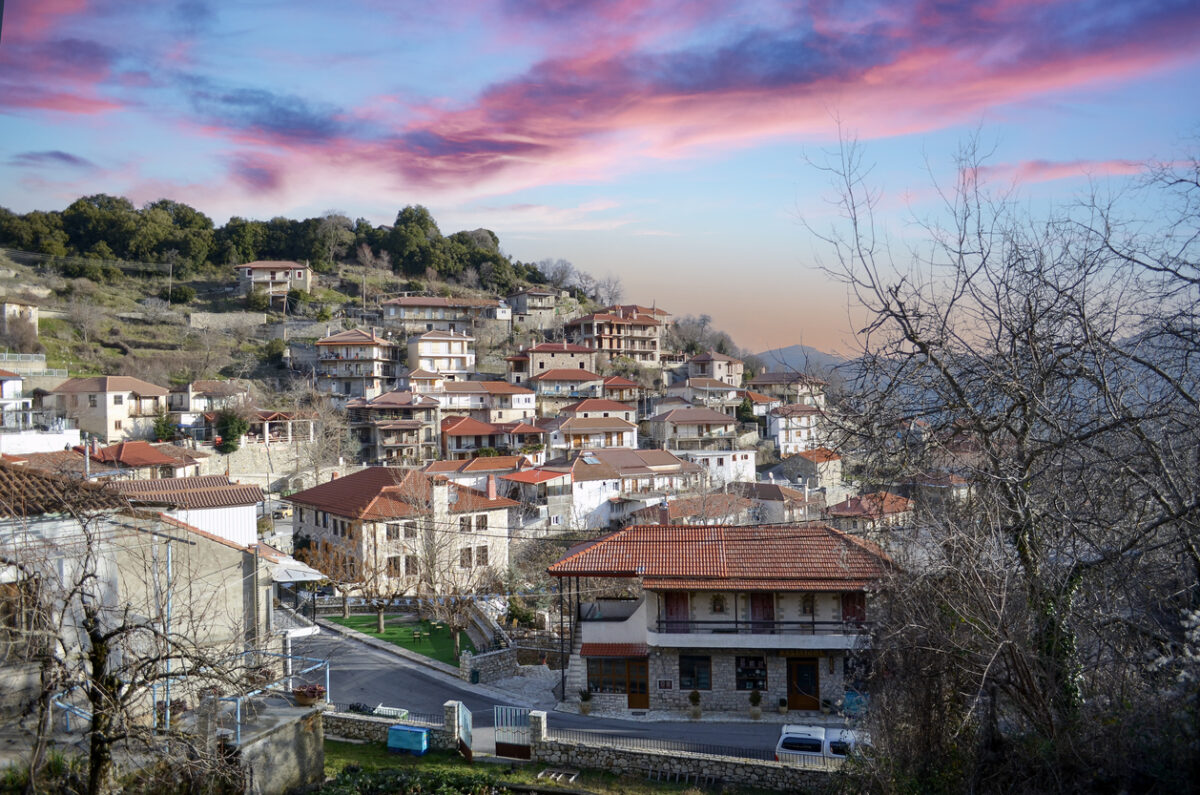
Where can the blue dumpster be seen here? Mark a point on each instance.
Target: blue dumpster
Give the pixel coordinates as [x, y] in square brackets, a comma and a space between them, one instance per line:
[408, 740]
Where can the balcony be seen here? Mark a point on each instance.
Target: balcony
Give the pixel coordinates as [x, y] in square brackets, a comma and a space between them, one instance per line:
[759, 634]
[613, 621]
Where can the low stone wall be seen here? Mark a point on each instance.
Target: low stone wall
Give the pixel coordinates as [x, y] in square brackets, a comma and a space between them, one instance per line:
[765, 775]
[225, 321]
[373, 729]
[491, 666]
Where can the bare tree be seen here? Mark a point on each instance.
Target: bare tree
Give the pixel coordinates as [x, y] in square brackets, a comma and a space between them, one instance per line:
[609, 290]
[559, 273]
[1051, 365]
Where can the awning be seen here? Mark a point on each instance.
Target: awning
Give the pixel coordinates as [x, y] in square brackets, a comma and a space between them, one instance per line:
[292, 570]
[613, 650]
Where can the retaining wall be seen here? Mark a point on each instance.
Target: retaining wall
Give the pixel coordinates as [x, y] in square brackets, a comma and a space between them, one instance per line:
[765, 775]
[491, 666]
[375, 729]
[225, 321]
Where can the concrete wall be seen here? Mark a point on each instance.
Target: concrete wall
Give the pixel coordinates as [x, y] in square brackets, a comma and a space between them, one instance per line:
[702, 767]
[226, 320]
[291, 755]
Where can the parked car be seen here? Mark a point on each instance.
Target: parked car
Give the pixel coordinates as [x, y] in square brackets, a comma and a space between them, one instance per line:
[800, 744]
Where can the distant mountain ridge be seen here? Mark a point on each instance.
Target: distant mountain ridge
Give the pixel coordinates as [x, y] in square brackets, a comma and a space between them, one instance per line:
[800, 358]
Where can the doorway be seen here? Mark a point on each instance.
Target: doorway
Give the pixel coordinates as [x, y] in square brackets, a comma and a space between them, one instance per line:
[638, 675]
[762, 612]
[804, 686]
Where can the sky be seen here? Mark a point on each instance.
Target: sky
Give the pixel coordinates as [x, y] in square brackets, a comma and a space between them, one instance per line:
[668, 143]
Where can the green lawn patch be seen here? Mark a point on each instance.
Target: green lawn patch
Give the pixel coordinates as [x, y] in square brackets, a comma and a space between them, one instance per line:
[435, 640]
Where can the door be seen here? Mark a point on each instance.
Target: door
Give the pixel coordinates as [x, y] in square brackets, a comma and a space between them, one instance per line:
[854, 607]
[638, 674]
[803, 683]
[762, 612]
[677, 611]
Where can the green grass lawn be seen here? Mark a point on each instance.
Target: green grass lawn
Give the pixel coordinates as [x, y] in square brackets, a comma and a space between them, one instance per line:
[374, 756]
[435, 641]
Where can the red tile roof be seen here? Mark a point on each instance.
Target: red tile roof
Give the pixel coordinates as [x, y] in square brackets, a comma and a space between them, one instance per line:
[705, 506]
[871, 506]
[617, 381]
[134, 455]
[820, 455]
[591, 424]
[381, 493]
[394, 399]
[565, 374]
[273, 264]
[204, 491]
[30, 492]
[596, 404]
[713, 356]
[7, 376]
[613, 650]
[559, 347]
[489, 387]
[354, 336]
[110, 383]
[802, 557]
[534, 476]
[478, 464]
[467, 426]
[757, 397]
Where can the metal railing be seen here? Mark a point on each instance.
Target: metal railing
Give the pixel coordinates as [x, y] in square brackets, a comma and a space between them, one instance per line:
[429, 720]
[763, 627]
[596, 739]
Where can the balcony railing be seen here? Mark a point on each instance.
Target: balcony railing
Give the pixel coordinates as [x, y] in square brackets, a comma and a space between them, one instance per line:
[761, 627]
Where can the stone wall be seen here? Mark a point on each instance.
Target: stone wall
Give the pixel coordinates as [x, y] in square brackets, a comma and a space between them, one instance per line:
[20, 684]
[273, 467]
[374, 729]
[226, 321]
[665, 764]
[292, 755]
[491, 666]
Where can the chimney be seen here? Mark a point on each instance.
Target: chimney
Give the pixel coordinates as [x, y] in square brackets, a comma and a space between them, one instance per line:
[333, 476]
[664, 513]
[491, 487]
[440, 495]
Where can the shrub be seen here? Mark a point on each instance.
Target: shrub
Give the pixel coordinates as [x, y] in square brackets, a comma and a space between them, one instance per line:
[258, 301]
[178, 294]
[231, 427]
[694, 698]
[755, 697]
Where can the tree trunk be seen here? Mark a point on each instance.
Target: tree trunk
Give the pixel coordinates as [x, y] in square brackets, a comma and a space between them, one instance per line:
[345, 606]
[379, 619]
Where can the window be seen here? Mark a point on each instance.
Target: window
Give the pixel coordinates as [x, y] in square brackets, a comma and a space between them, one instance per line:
[806, 604]
[695, 672]
[116, 425]
[750, 673]
[606, 676]
[464, 524]
[464, 558]
[393, 532]
[718, 603]
[481, 523]
[481, 556]
[395, 566]
[325, 519]
[118, 400]
[299, 514]
[410, 565]
[91, 401]
[299, 274]
[410, 529]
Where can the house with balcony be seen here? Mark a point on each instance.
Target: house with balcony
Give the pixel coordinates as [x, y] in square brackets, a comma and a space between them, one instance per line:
[692, 429]
[188, 403]
[475, 472]
[546, 356]
[595, 433]
[276, 278]
[417, 313]
[562, 386]
[465, 437]
[110, 408]
[718, 367]
[721, 611]
[486, 401]
[708, 393]
[790, 386]
[542, 308]
[450, 354]
[397, 428]
[599, 407]
[795, 428]
[357, 363]
[622, 390]
[631, 332]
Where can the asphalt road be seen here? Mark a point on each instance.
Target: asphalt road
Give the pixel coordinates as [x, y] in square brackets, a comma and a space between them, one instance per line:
[360, 673]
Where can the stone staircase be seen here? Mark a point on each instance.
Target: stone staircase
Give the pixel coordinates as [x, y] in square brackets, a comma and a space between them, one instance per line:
[576, 670]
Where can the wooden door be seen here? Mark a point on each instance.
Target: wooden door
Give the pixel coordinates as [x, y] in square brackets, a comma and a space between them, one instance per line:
[677, 610]
[762, 612]
[854, 607]
[638, 676]
[804, 686]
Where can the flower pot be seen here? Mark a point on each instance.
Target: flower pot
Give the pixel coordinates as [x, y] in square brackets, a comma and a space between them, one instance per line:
[783, 708]
[585, 708]
[755, 713]
[304, 701]
[695, 713]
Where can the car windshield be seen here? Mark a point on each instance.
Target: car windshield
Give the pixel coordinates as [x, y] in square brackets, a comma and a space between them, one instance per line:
[839, 747]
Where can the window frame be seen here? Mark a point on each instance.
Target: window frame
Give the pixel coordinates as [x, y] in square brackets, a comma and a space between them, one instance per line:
[695, 672]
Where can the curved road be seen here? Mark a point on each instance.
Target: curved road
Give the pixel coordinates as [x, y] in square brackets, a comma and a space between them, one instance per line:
[360, 673]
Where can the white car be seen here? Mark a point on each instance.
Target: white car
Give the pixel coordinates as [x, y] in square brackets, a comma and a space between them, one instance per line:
[800, 744]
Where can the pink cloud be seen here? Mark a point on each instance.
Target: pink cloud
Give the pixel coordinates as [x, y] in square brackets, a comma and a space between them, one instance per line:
[1030, 171]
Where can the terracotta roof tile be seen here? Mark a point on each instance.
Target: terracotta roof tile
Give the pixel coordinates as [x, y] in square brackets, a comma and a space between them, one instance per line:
[613, 650]
[565, 374]
[29, 492]
[616, 381]
[204, 491]
[820, 455]
[380, 493]
[110, 383]
[871, 506]
[713, 356]
[596, 404]
[134, 455]
[355, 336]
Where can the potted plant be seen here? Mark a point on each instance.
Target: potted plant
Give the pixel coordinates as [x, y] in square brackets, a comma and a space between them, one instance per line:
[783, 708]
[755, 704]
[694, 699]
[585, 702]
[826, 706]
[307, 695]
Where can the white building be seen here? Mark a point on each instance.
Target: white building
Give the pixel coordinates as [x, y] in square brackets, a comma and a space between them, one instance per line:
[450, 354]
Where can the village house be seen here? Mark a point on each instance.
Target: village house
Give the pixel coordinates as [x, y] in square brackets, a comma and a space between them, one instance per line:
[187, 404]
[760, 404]
[109, 408]
[486, 401]
[870, 514]
[357, 363]
[450, 354]
[819, 469]
[717, 508]
[545, 356]
[716, 366]
[621, 390]
[790, 387]
[15, 313]
[721, 611]
[571, 432]
[474, 472]
[267, 427]
[777, 503]
[414, 313]
[140, 459]
[16, 408]
[562, 386]
[467, 437]
[276, 278]
[708, 393]
[212, 503]
[794, 428]
[599, 407]
[395, 428]
[724, 466]
[692, 429]
[402, 531]
[545, 499]
[631, 332]
[541, 308]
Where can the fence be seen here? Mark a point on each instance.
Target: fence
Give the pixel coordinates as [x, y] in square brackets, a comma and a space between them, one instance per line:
[428, 720]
